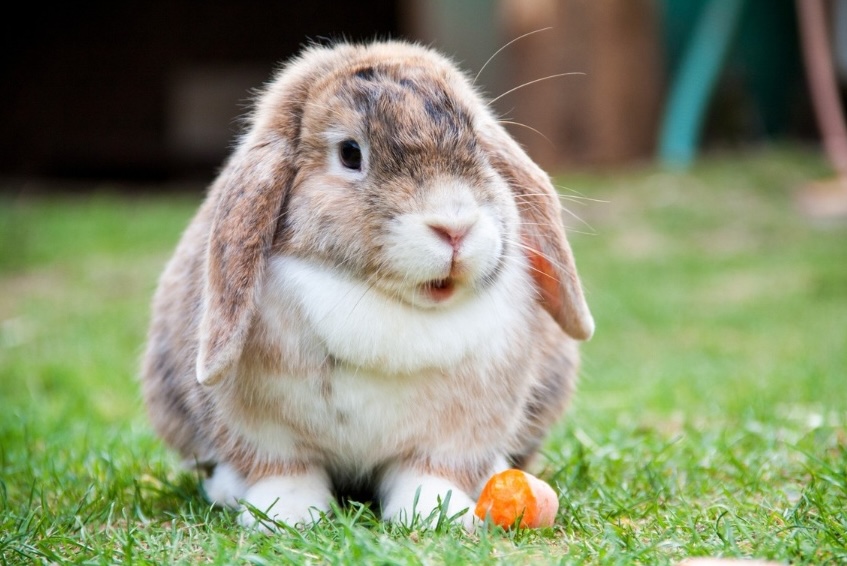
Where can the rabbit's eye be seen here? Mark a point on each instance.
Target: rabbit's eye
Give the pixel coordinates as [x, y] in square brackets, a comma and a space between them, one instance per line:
[351, 155]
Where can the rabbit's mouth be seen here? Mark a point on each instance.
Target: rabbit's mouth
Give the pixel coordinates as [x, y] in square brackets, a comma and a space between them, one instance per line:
[439, 290]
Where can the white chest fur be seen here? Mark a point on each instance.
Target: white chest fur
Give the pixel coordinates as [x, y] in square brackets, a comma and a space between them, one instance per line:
[367, 329]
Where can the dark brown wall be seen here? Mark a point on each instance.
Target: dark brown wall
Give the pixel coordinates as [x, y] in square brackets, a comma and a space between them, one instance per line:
[108, 90]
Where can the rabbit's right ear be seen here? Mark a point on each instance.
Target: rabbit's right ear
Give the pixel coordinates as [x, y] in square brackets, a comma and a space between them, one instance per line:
[248, 199]
[247, 202]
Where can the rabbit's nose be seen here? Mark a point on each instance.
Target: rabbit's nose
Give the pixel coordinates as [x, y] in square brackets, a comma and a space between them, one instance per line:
[452, 234]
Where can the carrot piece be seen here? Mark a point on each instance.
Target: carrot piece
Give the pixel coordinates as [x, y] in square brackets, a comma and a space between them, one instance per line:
[514, 493]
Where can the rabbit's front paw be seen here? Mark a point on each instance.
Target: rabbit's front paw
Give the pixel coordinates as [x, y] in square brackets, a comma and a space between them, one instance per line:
[419, 500]
[297, 501]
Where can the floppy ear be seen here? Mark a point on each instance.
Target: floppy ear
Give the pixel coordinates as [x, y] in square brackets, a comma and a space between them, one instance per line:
[542, 233]
[247, 201]
[248, 197]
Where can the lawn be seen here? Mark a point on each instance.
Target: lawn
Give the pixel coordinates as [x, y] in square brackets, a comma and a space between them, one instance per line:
[711, 417]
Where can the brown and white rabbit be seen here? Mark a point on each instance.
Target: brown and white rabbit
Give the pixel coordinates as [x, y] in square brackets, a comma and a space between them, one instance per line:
[377, 294]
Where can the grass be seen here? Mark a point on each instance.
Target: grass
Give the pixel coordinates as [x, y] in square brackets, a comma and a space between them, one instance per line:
[710, 419]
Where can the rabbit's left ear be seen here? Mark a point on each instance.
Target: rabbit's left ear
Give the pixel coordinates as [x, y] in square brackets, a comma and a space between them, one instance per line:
[542, 233]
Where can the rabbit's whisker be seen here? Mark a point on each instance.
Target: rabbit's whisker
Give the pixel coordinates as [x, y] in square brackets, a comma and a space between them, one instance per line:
[579, 219]
[535, 251]
[573, 193]
[527, 127]
[566, 197]
[511, 90]
[520, 244]
[520, 37]
[523, 200]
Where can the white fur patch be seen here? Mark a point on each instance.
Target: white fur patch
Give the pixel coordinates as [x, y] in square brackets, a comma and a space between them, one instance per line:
[366, 328]
[225, 487]
[293, 500]
[403, 502]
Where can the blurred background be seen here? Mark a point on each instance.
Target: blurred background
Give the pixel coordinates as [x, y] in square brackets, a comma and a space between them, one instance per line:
[151, 92]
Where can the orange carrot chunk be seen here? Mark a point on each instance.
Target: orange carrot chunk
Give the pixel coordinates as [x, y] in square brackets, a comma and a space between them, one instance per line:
[514, 493]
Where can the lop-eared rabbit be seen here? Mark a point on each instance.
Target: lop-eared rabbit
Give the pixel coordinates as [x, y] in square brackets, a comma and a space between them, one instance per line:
[376, 294]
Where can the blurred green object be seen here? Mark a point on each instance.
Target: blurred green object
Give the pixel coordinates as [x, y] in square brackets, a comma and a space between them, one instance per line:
[704, 37]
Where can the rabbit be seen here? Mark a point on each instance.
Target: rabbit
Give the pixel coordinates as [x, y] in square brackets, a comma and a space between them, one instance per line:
[376, 295]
